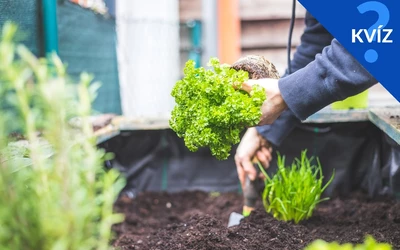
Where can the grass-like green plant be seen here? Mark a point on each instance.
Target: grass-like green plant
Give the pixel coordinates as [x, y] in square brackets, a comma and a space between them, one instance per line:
[293, 192]
[54, 192]
[209, 112]
[369, 244]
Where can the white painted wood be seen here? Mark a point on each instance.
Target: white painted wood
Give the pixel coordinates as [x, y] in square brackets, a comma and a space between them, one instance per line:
[148, 56]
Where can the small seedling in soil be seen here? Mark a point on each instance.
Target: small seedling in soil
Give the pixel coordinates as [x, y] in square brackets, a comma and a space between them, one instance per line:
[215, 194]
[211, 109]
[293, 192]
[369, 244]
[54, 191]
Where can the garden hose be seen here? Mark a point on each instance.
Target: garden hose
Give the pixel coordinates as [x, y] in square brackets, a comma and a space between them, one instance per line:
[289, 47]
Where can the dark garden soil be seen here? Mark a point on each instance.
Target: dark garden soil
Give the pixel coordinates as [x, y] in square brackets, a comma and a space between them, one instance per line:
[197, 220]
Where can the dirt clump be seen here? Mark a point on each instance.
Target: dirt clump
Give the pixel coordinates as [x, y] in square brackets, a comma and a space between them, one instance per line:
[257, 66]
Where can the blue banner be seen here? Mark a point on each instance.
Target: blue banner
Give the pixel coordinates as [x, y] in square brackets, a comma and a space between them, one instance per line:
[369, 30]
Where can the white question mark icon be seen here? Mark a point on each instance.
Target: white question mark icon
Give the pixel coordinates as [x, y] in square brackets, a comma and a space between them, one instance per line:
[384, 16]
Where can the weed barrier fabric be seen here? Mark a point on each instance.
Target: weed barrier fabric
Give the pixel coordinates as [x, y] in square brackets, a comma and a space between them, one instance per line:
[26, 15]
[159, 161]
[87, 42]
[391, 164]
[354, 151]
[363, 158]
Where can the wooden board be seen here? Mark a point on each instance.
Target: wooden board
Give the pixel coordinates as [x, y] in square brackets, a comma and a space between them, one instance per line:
[121, 123]
[105, 135]
[270, 33]
[388, 120]
[327, 115]
[189, 10]
[249, 9]
[104, 128]
[127, 124]
[269, 9]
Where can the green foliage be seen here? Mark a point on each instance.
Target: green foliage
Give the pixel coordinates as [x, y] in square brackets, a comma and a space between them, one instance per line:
[369, 244]
[209, 111]
[54, 191]
[293, 192]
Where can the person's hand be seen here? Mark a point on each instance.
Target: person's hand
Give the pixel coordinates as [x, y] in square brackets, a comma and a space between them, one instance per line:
[252, 147]
[274, 105]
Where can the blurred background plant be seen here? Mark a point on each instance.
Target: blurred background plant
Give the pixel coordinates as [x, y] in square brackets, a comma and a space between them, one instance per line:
[55, 192]
[369, 244]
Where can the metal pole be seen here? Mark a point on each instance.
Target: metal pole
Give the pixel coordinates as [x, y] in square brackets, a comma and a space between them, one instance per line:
[50, 29]
[209, 30]
[196, 50]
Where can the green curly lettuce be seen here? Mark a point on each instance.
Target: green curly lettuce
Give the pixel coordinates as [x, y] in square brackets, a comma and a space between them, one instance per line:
[209, 111]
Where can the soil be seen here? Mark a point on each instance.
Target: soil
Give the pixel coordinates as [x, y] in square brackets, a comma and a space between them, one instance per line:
[257, 66]
[198, 220]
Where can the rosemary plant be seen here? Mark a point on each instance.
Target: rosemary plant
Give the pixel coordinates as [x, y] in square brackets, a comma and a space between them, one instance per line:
[54, 191]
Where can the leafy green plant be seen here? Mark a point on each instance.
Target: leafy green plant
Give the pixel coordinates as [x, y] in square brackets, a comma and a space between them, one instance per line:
[293, 192]
[369, 244]
[54, 191]
[209, 112]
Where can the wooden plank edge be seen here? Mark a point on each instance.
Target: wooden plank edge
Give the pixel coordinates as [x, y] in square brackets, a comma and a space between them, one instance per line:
[106, 133]
[105, 137]
[330, 116]
[120, 123]
[375, 117]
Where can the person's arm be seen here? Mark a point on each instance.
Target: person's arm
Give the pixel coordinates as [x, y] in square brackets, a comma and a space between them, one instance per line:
[314, 38]
[276, 132]
[334, 75]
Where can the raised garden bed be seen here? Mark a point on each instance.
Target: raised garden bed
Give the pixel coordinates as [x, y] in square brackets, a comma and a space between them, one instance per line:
[197, 220]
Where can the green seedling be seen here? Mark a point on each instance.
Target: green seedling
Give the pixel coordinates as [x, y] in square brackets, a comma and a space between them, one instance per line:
[214, 194]
[369, 244]
[209, 112]
[54, 190]
[293, 192]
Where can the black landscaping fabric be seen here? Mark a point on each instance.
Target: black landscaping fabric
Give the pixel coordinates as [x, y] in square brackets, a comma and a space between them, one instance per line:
[362, 156]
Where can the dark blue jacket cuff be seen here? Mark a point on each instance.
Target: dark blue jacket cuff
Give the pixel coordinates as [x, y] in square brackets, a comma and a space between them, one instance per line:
[280, 129]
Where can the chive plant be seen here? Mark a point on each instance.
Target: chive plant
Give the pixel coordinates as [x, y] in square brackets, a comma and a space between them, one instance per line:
[54, 190]
[293, 192]
[369, 244]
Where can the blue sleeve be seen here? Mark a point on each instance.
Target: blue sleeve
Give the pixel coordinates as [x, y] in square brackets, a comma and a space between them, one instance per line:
[314, 38]
[334, 75]
[280, 129]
